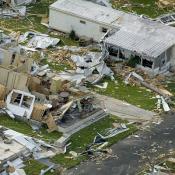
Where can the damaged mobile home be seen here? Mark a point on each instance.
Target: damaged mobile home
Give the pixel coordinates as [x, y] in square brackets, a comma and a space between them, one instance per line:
[39, 96]
[153, 52]
[15, 148]
[150, 42]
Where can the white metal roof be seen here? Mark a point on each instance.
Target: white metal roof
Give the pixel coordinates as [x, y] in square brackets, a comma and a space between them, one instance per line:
[88, 10]
[143, 35]
[148, 46]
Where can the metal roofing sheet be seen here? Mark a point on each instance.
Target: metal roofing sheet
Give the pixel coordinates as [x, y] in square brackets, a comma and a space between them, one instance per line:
[149, 46]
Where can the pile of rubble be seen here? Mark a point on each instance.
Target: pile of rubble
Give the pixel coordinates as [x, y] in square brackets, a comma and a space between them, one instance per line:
[35, 93]
[165, 167]
[52, 105]
[166, 3]
[89, 68]
[62, 55]
[11, 8]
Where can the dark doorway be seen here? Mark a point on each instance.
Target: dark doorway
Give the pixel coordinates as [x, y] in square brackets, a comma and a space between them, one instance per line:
[147, 63]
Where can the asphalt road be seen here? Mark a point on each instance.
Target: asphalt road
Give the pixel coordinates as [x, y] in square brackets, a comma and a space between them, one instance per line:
[134, 152]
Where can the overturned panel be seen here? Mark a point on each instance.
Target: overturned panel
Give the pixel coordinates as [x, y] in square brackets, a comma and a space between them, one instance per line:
[20, 103]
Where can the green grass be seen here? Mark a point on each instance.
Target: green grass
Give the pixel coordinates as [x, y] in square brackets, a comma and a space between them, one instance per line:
[57, 66]
[146, 7]
[33, 167]
[170, 165]
[84, 137]
[24, 128]
[40, 7]
[170, 85]
[135, 95]
[66, 162]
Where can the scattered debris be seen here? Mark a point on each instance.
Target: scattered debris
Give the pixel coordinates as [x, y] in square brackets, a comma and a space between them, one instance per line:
[38, 40]
[43, 172]
[38, 95]
[97, 150]
[137, 77]
[165, 105]
[14, 147]
[14, 8]
[73, 153]
[90, 67]
[113, 132]
[12, 170]
[104, 86]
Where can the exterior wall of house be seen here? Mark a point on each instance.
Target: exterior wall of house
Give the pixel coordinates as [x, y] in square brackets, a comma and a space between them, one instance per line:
[172, 55]
[160, 64]
[82, 27]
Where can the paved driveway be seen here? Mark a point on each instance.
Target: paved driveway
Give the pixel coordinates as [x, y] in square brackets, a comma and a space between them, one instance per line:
[125, 110]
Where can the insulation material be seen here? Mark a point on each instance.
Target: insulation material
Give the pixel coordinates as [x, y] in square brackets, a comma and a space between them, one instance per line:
[51, 123]
[35, 85]
[38, 112]
[166, 3]
[2, 92]
[2, 104]
[57, 84]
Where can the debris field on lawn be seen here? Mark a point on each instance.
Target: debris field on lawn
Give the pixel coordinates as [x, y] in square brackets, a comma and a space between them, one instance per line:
[49, 85]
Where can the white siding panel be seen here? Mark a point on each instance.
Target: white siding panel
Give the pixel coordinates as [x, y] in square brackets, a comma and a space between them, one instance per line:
[64, 22]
